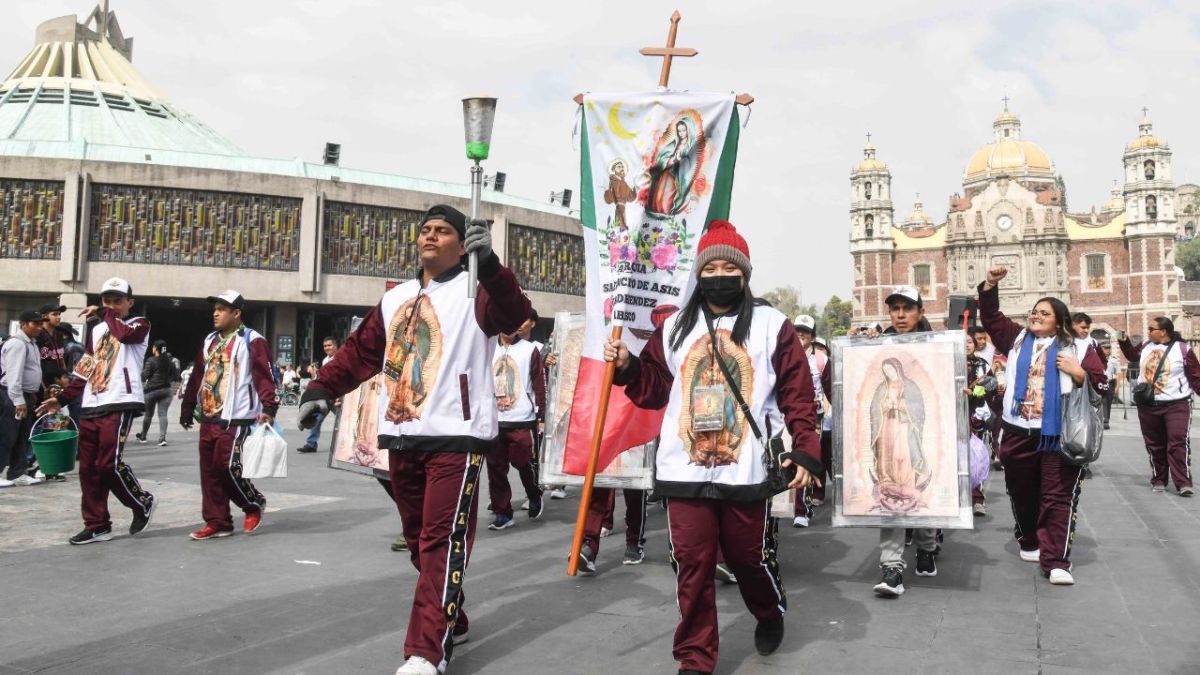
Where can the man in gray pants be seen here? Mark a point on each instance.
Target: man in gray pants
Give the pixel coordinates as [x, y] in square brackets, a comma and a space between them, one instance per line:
[157, 375]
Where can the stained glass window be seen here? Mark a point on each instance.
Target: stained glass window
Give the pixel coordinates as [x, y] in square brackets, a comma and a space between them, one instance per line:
[30, 219]
[371, 241]
[165, 226]
[550, 262]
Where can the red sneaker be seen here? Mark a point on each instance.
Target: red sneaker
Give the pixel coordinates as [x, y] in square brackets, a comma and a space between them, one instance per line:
[209, 532]
[253, 520]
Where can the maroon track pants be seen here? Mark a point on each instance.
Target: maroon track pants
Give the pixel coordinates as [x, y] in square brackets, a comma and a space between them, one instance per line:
[1165, 429]
[221, 475]
[102, 469]
[600, 514]
[514, 447]
[435, 493]
[745, 533]
[1044, 491]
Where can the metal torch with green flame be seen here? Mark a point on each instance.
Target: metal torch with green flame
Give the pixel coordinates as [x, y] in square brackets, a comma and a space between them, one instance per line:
[478, 115]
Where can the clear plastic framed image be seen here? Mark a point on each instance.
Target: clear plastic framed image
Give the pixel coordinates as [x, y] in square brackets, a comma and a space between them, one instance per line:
[355, 445]
[900, 432]
[632, 469]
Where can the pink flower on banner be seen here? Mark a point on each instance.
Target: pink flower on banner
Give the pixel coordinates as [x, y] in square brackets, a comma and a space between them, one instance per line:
[608, 309]
[614, 251]
[664, 255]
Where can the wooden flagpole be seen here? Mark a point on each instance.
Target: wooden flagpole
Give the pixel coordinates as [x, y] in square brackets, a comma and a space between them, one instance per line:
[610, 370]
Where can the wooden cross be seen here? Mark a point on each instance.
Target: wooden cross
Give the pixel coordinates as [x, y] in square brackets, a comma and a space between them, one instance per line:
[669, 52]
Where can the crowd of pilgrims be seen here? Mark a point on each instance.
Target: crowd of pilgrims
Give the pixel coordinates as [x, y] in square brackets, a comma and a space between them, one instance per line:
[467, 394]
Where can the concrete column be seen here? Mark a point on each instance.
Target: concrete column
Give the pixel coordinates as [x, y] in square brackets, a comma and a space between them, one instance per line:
[69, 252]
[500, 238]
[310, 243]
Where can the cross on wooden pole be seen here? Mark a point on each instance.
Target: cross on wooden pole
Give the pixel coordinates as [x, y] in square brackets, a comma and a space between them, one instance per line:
[669, 52]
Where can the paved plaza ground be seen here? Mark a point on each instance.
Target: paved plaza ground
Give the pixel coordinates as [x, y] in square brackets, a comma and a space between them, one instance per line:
[318, 589]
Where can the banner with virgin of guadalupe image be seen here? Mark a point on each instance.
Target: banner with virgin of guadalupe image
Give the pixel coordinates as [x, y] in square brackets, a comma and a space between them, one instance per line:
[656, 168]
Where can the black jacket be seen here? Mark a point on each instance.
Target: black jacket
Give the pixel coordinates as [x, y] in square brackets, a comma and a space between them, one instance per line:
[159, 372]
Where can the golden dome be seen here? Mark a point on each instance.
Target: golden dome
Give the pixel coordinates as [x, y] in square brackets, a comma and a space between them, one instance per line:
[1146, 137]
[1007, 154]
[869, 163]
[918, 215]
[1116, 201]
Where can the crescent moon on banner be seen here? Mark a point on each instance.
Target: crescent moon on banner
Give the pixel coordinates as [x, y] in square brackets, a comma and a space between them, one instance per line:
[614, 123]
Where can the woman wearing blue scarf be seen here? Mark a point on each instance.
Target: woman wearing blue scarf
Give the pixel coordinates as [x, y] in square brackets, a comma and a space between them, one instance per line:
[1044, 363]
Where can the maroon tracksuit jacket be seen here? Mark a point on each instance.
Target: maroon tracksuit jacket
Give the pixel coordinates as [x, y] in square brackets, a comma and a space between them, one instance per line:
[1166, 424]
[435, 480]
[1044, 489]
[516, 446]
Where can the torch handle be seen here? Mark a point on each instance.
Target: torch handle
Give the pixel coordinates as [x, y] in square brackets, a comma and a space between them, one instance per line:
[473, 260]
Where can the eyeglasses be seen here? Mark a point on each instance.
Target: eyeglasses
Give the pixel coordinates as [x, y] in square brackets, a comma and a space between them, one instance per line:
[1152, 329]
[1041, 313]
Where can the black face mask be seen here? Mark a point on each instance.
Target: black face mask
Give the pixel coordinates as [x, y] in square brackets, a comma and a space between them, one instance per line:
[722, 291]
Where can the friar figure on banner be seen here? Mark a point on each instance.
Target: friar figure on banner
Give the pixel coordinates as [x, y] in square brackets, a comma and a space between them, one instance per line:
[619, 193]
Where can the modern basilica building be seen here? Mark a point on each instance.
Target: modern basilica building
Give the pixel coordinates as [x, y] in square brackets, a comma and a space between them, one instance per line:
[101, 175]
[1116, 263]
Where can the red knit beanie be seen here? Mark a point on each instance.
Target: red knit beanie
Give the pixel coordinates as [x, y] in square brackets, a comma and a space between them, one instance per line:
[721, 241]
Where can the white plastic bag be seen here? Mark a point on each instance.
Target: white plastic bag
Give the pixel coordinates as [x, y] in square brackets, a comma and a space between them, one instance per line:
[264, 454]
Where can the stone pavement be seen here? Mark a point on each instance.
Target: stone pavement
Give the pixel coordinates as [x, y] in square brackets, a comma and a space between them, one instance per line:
[318, 590]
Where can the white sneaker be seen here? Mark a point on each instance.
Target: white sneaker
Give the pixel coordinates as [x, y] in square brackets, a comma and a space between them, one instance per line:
[26, 479]
[39, 474]
[525, 506]
[415, 665]
[1031, 556]
[817, 502]
[558, 493]
[800, 521]
[1061, 578]
[604, 532]
[6, 483]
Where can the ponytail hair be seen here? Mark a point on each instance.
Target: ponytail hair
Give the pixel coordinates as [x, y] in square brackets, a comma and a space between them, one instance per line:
[1167, 326]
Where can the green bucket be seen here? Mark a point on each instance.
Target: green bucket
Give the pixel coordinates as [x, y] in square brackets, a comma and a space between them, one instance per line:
[55, 450]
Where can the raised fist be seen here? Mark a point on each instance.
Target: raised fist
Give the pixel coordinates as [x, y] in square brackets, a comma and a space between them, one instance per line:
[995, 274]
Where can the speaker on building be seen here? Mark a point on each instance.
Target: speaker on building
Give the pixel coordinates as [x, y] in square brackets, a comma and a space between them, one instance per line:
[566, 198]
[498, 181]
[332, 152]
[960, 304]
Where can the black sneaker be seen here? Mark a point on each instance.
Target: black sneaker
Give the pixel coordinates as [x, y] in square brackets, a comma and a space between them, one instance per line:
[502, 523]
[724, 574]
[908, 535]
[141, 438]
[535, 508]
[87, 536]
[633, 555]
[892, 583]
[306, 448]
[162, 442]
[768, 635]
[926, 565]
[587, 561]
[140, 521]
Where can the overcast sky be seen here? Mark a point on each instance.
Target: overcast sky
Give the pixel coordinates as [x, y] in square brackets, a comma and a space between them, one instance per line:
[385, 78]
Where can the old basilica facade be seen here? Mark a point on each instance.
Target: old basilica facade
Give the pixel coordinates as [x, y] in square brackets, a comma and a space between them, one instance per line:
[1117, 263]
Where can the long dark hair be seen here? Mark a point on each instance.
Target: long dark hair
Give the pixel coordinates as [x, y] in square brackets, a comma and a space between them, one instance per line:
[1167, 326]
[1062, 317]
[696, 304]
[894, 363]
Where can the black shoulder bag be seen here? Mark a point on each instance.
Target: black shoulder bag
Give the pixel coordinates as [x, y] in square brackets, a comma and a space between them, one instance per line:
[778, 477]
[1143, 392]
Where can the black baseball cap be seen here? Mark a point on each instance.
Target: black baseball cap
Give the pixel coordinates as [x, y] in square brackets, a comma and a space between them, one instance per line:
[51, 307]
[30, 316]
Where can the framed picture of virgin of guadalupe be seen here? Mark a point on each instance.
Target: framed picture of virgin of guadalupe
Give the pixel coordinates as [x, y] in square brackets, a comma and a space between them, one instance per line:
[900, 431]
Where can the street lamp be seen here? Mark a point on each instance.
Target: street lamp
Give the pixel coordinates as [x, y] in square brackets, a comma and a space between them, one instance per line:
[478, 115]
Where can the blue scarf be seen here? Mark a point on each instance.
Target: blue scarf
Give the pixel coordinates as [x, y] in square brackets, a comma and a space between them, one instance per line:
[1052, 406]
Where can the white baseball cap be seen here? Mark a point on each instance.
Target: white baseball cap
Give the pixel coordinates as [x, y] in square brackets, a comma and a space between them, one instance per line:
[908, 293]
[229, 297]
[806, 322]
[116, 286]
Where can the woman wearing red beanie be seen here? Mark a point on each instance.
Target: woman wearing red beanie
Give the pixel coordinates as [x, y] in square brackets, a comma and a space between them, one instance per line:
[722, 346]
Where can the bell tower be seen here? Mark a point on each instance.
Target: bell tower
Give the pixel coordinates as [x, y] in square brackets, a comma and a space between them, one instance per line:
[871, 218]
[1150, 226]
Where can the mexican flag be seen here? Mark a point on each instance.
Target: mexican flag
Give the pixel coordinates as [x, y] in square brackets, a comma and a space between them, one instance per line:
[656, 168]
